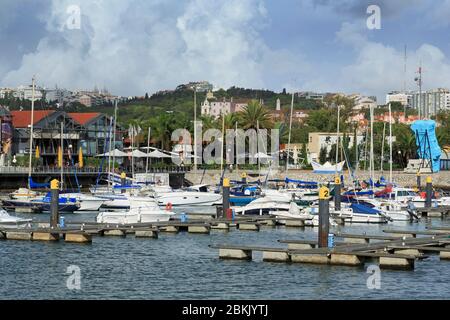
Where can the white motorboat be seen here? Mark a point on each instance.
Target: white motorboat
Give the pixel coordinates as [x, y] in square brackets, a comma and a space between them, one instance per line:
[310, 217]
[404, 195]
[139, 212]
[198, 195]
[263, 206]
[7, 221]
[392, 209]
[23, 193]
[360, 213]
[87, 202]
[122, 201]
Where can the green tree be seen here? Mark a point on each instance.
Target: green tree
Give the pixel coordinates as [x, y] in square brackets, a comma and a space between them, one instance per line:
[254, 114]
[404, 147]
[323, 155]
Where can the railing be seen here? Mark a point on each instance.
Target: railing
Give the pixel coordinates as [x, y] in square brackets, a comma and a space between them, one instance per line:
[92, 170]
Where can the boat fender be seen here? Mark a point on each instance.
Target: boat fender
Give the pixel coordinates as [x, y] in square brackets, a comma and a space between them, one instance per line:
[168, 206]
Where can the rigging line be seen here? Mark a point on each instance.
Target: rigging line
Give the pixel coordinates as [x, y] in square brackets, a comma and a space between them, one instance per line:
[105, 147]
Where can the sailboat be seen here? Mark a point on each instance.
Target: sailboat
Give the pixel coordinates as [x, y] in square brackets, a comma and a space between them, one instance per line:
[29, 201]
[327, 167]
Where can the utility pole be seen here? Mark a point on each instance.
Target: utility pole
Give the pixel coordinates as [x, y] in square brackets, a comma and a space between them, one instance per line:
[419, 83]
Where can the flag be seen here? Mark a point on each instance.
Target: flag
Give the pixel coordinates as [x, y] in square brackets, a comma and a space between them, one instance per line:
[80, 158]
[37, 152]
[60, 157]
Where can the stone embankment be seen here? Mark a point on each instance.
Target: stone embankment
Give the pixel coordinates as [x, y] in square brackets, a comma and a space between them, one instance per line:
[440, 180]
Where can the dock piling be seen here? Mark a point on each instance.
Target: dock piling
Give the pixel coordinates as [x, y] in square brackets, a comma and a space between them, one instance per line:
[225, 197]
[418, 180]
[337, 194]
[54, 202]
[324, 216]
[429, 192]
[244, 177]
[123, 177]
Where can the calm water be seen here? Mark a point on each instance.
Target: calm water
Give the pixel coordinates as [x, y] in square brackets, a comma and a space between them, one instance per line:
[181, 266]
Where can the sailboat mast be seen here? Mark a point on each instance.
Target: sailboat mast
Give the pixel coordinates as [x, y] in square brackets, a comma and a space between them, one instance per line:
[236, 134]
[257, 148]
[371, 146]
[114, 133]
[223, 138]
[195, 130]
[355, 143]
[132, 149]
[289, 137]
[62, 156]
[109, 155]
[148, 149]
[366, 138]
[390, 144]
[382, 148]
[337, 141]
[31, 132]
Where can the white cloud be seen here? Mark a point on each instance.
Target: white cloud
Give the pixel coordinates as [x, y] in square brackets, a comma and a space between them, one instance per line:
[379, 68]
[143, 46]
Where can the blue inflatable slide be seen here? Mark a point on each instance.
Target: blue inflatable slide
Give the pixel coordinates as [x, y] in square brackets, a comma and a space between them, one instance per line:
[427, 144]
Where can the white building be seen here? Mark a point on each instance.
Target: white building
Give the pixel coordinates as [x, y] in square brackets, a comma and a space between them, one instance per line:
[217, 108]
[362, 102]
[319, 140]
[405, 98]
[432, 101]
[308, 95]
[26, 92]
[4, 92]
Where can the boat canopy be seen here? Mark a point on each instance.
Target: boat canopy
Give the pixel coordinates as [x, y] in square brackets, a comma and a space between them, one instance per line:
[308, 183]
[37, 185]
[361, 208]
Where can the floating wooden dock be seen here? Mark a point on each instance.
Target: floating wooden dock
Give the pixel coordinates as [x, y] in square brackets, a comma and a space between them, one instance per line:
[388, 252]
[82, 232]
[438, 212]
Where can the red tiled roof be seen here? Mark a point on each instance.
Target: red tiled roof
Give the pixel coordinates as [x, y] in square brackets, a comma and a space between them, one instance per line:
[84, 117]
[22, 119]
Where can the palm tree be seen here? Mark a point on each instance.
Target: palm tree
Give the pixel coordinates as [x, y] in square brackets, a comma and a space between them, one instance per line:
[230, 121]
[283, 130]
[208, 122]
[405, 146]
[162, 127]
[254, 114]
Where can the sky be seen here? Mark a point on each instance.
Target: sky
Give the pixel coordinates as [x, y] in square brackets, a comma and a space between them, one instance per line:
[138, 46]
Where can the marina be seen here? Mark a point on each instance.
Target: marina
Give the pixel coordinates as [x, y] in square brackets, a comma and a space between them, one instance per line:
[166, 221]
[149, 268]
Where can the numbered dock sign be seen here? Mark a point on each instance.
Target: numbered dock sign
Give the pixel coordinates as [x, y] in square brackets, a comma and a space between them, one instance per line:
[324, 193]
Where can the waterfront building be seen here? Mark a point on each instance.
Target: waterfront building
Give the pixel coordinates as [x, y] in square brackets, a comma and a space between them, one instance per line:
[6, 134]
[86, 130]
